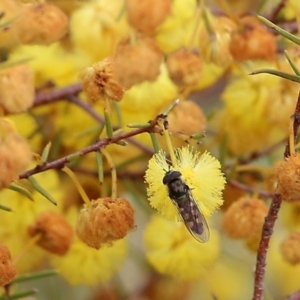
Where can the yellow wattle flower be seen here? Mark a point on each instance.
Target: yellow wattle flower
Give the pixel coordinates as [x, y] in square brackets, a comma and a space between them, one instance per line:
[171, 250]
[145, 100]
[201, 172]
[97, 26]
[177, 30]
[291, 9]
[248, 101]
[14, 229]
[52, 62]
[92, 266]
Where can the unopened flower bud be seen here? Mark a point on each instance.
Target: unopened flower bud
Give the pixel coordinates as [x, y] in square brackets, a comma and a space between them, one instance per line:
[184, 67]
[137, 61]
[146, 15]
[244, 218]
[252, 41]
[105, 221]
[7, 269]
[41, 23]
[288, 177]
[290, 248]
[99, 81]
[16, 89]
[56, 233]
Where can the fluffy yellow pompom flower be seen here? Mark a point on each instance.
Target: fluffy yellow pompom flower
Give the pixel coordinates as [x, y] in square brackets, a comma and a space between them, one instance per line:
[200, 172]
[172, 251]
[97, 26]
[92, 266]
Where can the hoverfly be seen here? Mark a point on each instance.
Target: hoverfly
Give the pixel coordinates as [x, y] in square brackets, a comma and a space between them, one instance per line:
[183, 199]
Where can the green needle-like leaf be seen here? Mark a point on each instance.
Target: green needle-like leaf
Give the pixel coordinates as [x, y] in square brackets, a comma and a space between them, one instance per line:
[41, 190]
[284, 75]
[21, 190]
[281, 31]
[45, 153]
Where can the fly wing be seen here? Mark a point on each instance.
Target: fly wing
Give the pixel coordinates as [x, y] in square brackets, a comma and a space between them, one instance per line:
[193, 218]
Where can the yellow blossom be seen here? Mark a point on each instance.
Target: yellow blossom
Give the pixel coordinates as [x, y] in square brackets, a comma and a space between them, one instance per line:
[97, 26]
[14, 225]
[221, 280]
[200, 172]
[291, 9]
[290, 215]
[257, 111]
[145, 100]
[52, 62]
[92, 266]
[171, 250]
[282, 278]
[177, 30]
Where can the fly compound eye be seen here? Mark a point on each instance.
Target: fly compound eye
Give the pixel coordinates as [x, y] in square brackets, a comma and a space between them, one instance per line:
[170, 176]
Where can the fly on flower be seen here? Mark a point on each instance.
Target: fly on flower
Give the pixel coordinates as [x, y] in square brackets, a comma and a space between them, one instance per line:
[183, 199]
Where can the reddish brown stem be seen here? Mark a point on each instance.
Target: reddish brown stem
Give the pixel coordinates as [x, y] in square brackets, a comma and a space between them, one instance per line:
[61, 162]
[249, 189]
[270, 221]
[42, 98]
[264, 245]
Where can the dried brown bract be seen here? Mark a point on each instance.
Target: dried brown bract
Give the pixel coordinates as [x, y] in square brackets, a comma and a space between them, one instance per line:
[99, 81]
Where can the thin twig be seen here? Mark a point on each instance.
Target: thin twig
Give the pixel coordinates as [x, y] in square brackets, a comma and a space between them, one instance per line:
[276, 10]
[270, 221]
[249, 189]
[42, 98]
[264, 245]
[70, 93]
[61, 162]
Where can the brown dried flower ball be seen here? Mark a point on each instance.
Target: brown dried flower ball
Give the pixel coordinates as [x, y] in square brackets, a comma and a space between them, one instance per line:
[146, 15]
[16, 89]
[288, 177]
[252, 41]
[56, 233]
[187, 117]
[14, 152]
[244, 218]
[41, 23]
[7, 269]
[290, 248]
[106, 221]
[184, 67]
[99, 81]
[137, 60]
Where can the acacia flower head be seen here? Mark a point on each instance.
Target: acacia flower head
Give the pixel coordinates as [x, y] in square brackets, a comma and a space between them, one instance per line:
[92, 266]
[56, 233]
[244, 218]
[171, 250]
[288, 177]
[290, 248]
[201, 172]
[105, 221]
